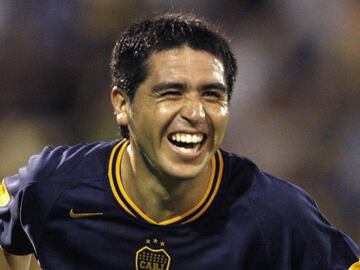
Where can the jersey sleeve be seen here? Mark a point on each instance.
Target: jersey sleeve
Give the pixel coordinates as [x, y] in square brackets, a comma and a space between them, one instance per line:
[27, 198]
[316, 237]
[13, 236]
[299, 236]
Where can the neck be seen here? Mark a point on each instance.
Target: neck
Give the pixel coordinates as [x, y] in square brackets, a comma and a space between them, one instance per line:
[160, 197]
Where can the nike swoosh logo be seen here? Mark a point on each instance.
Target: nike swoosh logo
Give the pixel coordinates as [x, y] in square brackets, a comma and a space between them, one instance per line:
[72, 214]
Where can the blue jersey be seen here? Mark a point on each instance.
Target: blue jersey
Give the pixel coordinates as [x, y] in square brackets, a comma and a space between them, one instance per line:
[68, 206]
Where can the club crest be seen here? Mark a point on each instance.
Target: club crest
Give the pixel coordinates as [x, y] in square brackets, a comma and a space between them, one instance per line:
[148, 258]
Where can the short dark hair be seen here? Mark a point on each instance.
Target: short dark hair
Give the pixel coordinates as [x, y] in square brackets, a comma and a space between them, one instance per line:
[163, 32]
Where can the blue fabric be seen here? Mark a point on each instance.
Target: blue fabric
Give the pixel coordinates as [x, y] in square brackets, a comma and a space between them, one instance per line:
[255, 222]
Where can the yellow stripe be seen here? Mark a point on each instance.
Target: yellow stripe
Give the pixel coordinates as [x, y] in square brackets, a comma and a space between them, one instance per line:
[111, 180]
[4, 194]
[187, 213]
[122, 189]
[355, 266]
[192, 210]
[218, 181]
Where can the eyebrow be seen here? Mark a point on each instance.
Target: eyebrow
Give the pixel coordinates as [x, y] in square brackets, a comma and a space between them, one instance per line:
[182, 86]
[162, 86]
[219, 86]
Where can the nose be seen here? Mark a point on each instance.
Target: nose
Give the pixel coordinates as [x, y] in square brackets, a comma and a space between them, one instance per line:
[193, 111]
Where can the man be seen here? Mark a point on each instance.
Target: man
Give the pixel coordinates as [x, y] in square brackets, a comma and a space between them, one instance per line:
[166, 196]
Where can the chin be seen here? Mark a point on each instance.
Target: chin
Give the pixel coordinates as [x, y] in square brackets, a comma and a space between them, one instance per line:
[185, 172]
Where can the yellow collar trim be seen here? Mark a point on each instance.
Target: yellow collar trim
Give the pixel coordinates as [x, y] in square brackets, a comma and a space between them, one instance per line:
[110, 175]
[355, 266]
[218, 181]
[130, 207]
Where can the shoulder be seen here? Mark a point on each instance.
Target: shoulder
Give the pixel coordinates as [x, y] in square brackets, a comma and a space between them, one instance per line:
[285, 216]
[57, 163]
[27, 197]
[267, 197]
[244, 173]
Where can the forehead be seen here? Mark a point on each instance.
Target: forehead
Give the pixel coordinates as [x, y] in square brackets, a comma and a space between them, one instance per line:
[185, 62]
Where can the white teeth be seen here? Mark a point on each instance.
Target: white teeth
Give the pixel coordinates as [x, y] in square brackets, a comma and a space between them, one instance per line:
[187, 138]
[186, 150]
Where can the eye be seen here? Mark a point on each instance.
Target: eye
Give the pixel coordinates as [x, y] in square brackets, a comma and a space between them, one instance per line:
[214, 94]
[170, 93]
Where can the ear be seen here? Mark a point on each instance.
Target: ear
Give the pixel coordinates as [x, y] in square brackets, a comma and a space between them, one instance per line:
[120, 102]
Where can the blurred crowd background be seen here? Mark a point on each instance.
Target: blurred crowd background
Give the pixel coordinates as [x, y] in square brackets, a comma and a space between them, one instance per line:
[296, 104]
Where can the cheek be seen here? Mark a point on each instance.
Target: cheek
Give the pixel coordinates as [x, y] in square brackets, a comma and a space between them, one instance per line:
[152, 122]
[224, 112]
[163, 110]
[221, 120]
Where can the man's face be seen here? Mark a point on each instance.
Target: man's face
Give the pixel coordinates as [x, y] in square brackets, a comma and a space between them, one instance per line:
[179, 114]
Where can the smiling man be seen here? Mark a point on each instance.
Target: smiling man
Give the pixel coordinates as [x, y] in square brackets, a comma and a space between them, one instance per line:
[176, 120]
[165, 196]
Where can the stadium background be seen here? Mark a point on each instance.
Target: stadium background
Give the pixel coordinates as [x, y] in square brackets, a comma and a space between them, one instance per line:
[296, 103]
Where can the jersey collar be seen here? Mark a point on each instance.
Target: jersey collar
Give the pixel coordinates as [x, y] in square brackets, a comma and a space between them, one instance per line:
[125, 202]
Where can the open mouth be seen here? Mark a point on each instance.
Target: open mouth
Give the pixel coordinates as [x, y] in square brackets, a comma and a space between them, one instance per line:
[186, 141]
